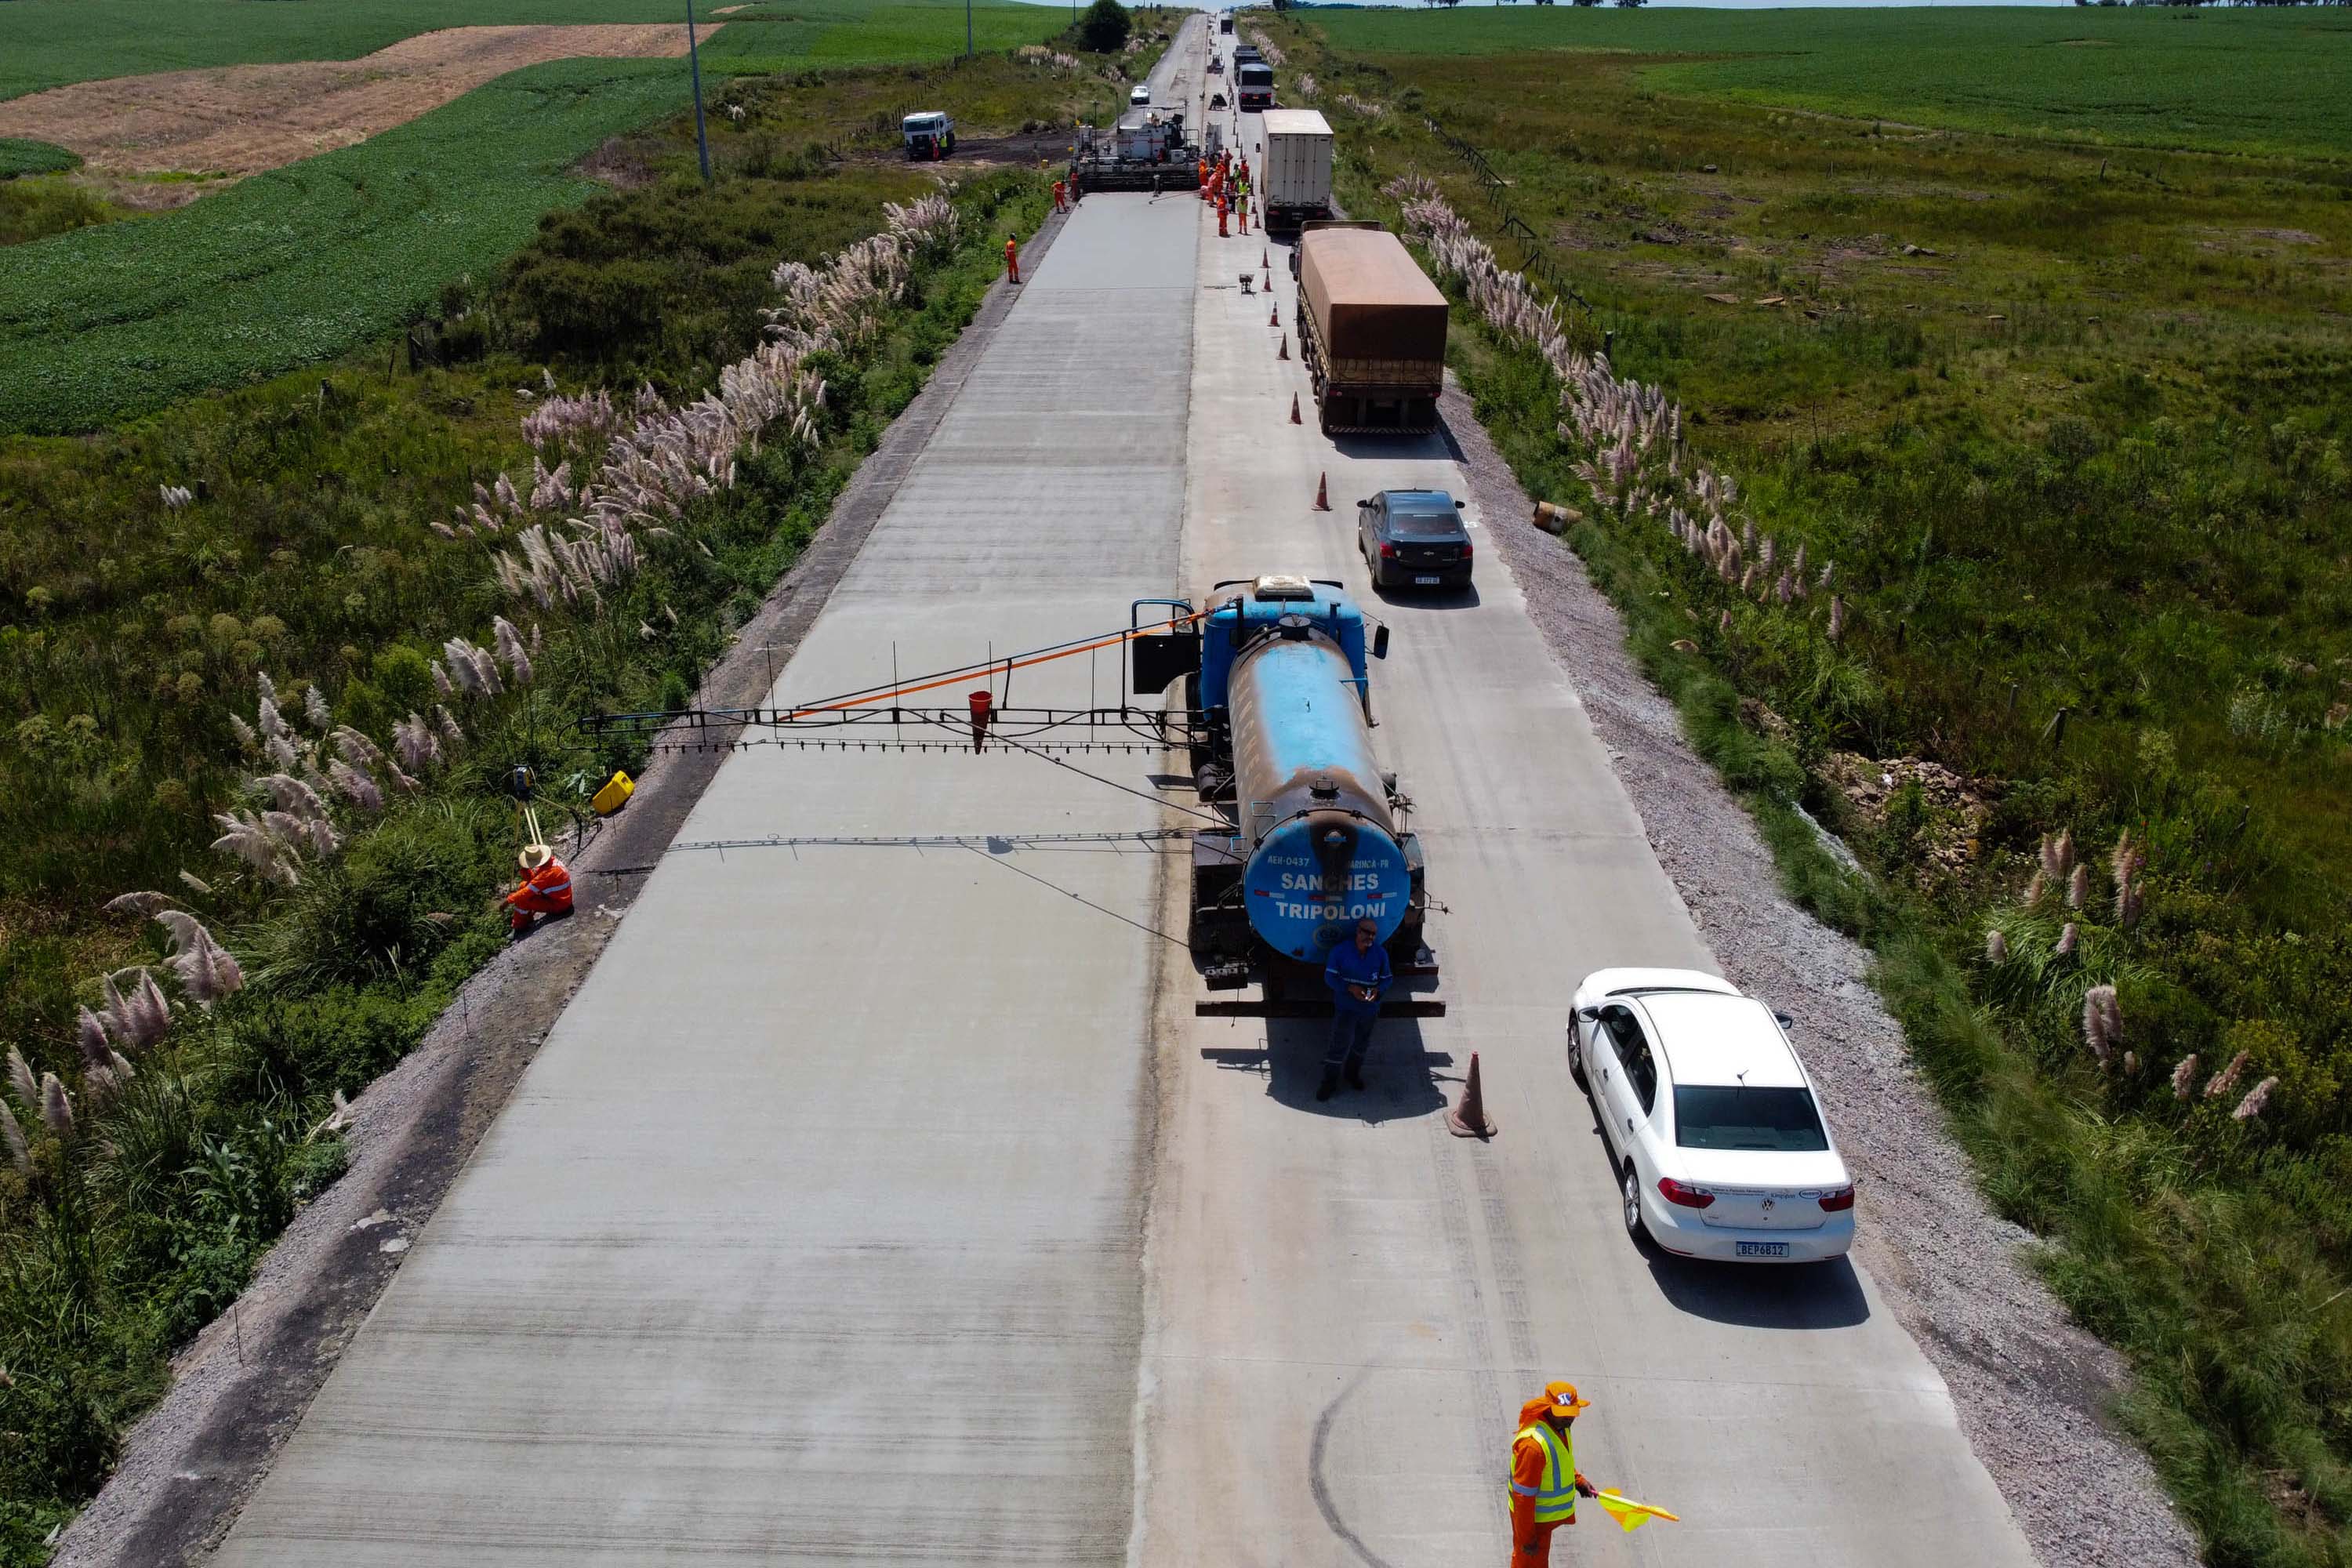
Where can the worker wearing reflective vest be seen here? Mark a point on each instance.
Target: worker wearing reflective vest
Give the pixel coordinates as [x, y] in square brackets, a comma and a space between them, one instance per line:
[546, 888]
[1545, 1483]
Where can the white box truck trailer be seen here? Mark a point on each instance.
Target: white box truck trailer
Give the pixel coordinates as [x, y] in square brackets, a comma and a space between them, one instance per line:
[1296, 183]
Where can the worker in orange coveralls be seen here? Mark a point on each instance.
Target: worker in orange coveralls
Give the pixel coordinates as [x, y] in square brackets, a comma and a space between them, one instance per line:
[546, 890]
[1060, 191]
[1545, 1482]
[1012, 259]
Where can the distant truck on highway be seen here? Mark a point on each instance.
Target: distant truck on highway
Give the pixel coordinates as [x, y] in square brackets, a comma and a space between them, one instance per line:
[1372, 328]
[1253, 84]
[929, 135]
[1295, 184]
[1225, 23]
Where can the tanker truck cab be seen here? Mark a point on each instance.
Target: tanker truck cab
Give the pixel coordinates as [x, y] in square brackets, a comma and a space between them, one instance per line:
[1315, 837]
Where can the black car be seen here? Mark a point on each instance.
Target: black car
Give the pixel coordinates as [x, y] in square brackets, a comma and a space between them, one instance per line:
[1415, 539]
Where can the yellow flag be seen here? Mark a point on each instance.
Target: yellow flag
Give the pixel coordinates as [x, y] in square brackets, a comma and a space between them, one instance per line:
[1628, 1513]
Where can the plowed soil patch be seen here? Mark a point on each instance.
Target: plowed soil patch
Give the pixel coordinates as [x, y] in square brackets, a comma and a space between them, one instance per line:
[242, 119]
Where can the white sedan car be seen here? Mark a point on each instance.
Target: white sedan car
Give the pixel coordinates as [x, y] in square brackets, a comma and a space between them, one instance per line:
[1716, 1132]
[1140, 95]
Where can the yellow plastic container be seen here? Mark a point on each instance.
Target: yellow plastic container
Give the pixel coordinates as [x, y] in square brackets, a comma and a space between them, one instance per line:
[614, 795]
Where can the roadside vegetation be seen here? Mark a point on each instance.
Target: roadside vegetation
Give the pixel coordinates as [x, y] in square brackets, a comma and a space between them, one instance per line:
[2003, 534]
[269, 654]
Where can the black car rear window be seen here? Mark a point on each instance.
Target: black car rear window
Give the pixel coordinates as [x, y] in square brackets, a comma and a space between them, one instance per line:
[1710, 1117]
[1425, 524]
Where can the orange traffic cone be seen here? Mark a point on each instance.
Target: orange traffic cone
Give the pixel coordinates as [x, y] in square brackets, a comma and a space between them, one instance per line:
[1286, 347]
[1323, 503]
[1270, 283]
[1265, 260]
[1273, 316]
[1293, 408]
[1469, 1119]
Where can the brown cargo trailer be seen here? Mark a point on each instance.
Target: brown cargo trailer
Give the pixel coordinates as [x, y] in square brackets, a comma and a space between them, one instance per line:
[1372, 327]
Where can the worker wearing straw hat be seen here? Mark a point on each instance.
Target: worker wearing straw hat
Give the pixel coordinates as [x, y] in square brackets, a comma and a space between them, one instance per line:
[546, 890]
[1545, 1482]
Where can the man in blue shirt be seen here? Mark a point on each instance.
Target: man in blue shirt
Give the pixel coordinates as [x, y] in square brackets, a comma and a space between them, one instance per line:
[1357, 973]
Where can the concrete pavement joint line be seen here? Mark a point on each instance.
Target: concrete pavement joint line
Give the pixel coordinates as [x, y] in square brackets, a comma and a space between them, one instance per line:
[1170, 891]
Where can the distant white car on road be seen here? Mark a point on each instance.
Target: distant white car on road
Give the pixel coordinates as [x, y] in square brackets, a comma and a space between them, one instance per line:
[1716, 1132]
[1140, 95]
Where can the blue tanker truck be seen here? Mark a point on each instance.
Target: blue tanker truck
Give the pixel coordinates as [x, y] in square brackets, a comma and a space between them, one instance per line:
[1277, 673]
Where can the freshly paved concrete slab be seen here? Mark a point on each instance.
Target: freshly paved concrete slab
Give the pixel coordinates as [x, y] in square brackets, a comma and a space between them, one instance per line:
[1347, 1304]
[812, 1236]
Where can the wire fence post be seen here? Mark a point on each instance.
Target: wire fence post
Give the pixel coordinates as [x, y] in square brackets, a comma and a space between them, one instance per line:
[694, 63]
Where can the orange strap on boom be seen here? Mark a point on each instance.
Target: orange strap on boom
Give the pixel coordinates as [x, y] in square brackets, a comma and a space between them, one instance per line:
[878, 697]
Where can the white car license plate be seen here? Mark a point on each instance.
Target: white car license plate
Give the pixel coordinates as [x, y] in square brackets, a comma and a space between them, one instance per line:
[1424, 579]
[1760, 1248]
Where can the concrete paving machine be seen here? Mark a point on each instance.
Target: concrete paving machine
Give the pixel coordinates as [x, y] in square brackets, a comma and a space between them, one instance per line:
[1147, 150]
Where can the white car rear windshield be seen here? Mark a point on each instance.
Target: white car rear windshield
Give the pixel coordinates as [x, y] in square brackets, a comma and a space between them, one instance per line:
[1727, 1117]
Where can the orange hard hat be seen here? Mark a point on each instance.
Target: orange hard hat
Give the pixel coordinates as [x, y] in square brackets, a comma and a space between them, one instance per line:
[1564, 1400]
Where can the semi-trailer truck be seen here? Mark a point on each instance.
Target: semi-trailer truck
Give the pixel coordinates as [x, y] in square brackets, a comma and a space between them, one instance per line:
[1372, 327]
[1296, 182]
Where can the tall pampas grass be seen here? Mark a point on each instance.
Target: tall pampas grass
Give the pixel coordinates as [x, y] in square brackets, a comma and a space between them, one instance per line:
[2103, 1022]
[255, 840]
[206, 969]
[141, 904]
[57, 1107]
[414, 741]
[510, 650]
[2227, 1079]
[21, 1079]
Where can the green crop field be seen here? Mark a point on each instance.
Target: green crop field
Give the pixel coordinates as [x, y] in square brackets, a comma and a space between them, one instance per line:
[48, 43]
[302, 263]
[2263, 80]
[18, 156]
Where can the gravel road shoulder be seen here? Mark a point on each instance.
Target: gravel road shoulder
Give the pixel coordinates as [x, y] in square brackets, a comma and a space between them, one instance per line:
[2032, 1389]
[242, 1387]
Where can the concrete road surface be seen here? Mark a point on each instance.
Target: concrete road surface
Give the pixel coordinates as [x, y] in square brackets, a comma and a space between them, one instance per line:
[811, 1235]
[885, 1200]
[1347, 1304]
